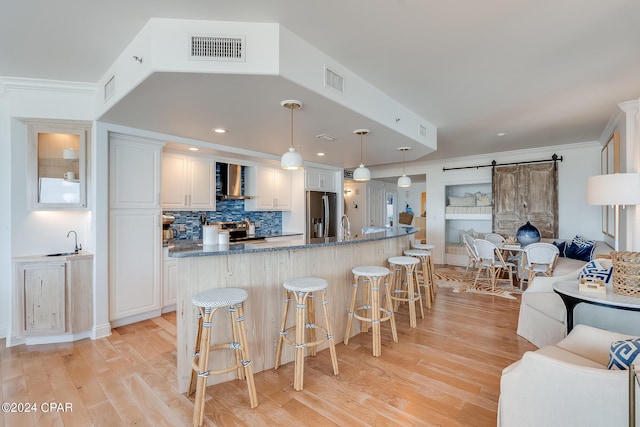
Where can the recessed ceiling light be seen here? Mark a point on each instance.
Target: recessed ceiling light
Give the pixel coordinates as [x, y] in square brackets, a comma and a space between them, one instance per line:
[500, 134]
[194, 148]
[219, 130]
[320, 154]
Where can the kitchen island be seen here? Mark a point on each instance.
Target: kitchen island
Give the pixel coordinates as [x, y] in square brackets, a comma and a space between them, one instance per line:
[261, 269]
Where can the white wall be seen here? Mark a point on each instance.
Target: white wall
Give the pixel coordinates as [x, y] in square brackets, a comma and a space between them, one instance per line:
[575, 216]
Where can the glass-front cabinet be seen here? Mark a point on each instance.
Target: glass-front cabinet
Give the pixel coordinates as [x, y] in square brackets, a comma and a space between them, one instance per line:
[57, 164]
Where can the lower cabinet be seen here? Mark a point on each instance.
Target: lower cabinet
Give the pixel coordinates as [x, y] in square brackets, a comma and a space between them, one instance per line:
[53, 296]
[169, 281]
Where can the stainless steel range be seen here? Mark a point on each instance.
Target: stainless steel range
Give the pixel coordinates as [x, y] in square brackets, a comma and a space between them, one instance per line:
[238, 231]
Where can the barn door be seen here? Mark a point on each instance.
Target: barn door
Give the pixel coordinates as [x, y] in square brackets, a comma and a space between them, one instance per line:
[524, 193]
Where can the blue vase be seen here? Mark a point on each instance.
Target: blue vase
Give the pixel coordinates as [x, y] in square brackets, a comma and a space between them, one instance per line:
[527, 234]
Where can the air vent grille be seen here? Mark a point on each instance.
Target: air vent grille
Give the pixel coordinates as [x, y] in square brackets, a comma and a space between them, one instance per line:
[109, 88]
[333, 80]
[348, 174]
[218, 48]
[423, 131]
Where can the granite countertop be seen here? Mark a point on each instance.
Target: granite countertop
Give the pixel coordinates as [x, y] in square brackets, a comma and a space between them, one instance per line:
[192, 248]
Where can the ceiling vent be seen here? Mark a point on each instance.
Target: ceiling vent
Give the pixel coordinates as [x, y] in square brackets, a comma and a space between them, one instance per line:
[333, 80]
[348, 174]
[109, 88]
[218, 48]
[423, 131]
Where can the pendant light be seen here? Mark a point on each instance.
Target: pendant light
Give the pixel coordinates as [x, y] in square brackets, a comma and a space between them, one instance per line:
[291, 160]
[404, 181]
[361, 173]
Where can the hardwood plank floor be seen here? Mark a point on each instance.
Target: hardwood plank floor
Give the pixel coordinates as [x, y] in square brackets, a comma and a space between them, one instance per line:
[445, 372]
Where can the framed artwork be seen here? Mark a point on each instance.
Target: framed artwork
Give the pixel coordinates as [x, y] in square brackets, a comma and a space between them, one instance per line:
[610, 163]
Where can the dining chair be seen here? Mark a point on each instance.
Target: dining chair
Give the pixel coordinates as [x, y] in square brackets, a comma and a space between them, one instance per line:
[492, 261]
[467, 240]
[539, 259]
[495, 238]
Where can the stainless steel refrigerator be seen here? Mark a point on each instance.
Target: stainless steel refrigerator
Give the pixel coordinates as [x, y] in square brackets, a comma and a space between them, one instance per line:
[322, 214]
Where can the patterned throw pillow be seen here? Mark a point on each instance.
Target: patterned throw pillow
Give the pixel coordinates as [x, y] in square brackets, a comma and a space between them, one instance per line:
[622, 354]
[593, 270]
[580, 248]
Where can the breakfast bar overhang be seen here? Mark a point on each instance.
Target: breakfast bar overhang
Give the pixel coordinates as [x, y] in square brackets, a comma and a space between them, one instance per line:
[261, 269]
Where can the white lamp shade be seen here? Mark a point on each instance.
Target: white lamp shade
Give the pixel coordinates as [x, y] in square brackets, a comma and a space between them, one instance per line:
[614, 189]
[361, 173]
[404, 181]
[291, 160]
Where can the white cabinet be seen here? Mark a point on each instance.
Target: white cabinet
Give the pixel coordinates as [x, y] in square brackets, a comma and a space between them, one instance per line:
[270, 189]
[188, 182]
[321, 180]
[135, 245]
[134, 173]
[53, 296]
[169, 282]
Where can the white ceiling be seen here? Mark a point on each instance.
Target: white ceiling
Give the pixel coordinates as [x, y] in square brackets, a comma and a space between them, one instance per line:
[544, 72]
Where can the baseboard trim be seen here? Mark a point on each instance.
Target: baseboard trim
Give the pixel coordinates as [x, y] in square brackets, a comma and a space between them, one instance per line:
[135, 318]
[101, 331]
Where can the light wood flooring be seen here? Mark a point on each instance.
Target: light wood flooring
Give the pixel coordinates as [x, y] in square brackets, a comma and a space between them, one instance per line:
[446, 372]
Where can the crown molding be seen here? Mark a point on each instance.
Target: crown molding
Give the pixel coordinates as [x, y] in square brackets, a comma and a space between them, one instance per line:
[8, 84]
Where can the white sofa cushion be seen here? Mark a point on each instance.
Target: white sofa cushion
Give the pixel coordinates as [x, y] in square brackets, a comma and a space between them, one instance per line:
[547, 303]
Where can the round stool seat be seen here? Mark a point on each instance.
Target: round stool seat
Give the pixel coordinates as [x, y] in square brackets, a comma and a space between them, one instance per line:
[220, 297]
[423, 246]
[417, 252]
[305, 284]
[371, 271]
[403, 260]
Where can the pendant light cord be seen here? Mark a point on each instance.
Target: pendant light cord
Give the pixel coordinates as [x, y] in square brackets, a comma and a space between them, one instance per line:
[291, 125]
[361, 162]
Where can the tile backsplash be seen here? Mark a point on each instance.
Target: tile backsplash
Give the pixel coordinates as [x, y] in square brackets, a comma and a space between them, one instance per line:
[226, 210]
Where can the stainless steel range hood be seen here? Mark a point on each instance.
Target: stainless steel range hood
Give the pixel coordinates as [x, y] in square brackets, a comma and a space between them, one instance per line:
[231, 180]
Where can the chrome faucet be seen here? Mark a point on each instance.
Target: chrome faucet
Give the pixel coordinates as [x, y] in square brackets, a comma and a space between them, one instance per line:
[78, 247]
[346, 231]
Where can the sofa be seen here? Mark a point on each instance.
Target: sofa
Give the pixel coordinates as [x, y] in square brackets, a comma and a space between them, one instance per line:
[567, 384]
[543, 317]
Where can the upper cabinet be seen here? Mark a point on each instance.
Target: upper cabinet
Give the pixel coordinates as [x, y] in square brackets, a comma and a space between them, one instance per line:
[57, 164]
[270, 189]
[321, 179]
[188, 182]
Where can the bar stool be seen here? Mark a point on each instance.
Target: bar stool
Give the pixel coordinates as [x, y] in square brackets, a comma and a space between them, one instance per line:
[208, 302]
[303, 289]
[406, 281]
[424, 257]
[372, 277]
[430, 271]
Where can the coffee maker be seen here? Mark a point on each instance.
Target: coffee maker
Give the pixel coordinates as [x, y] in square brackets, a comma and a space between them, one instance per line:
[168, 233]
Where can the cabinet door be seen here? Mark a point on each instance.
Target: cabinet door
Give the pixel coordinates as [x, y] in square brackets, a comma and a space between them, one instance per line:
[320, 180]
[282, 189]
[134, 172]
[169, 280]
[202, 183]
[42, 290]
[134, 262]
[174, 180]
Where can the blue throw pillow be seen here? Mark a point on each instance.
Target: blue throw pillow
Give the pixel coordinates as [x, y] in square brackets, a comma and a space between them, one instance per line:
[593, 270]
[561, 246]
[583, 253]
[622, 354]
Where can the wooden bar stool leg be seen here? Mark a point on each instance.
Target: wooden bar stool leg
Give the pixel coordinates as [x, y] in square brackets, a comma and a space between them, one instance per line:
[390, 312]
[432, 278]
[416, 285]
[283, 325]
[351, 312]
[194, 375]
[203, 366]
[411, 295]
[300, 342]
[366, 303]
[311, 319]
[332, 345]
[245, 360]
[375, 315]
[396, 286]
[235, 340]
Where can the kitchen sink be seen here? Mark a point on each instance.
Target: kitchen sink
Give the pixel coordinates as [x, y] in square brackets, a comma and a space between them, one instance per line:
[62, 254]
